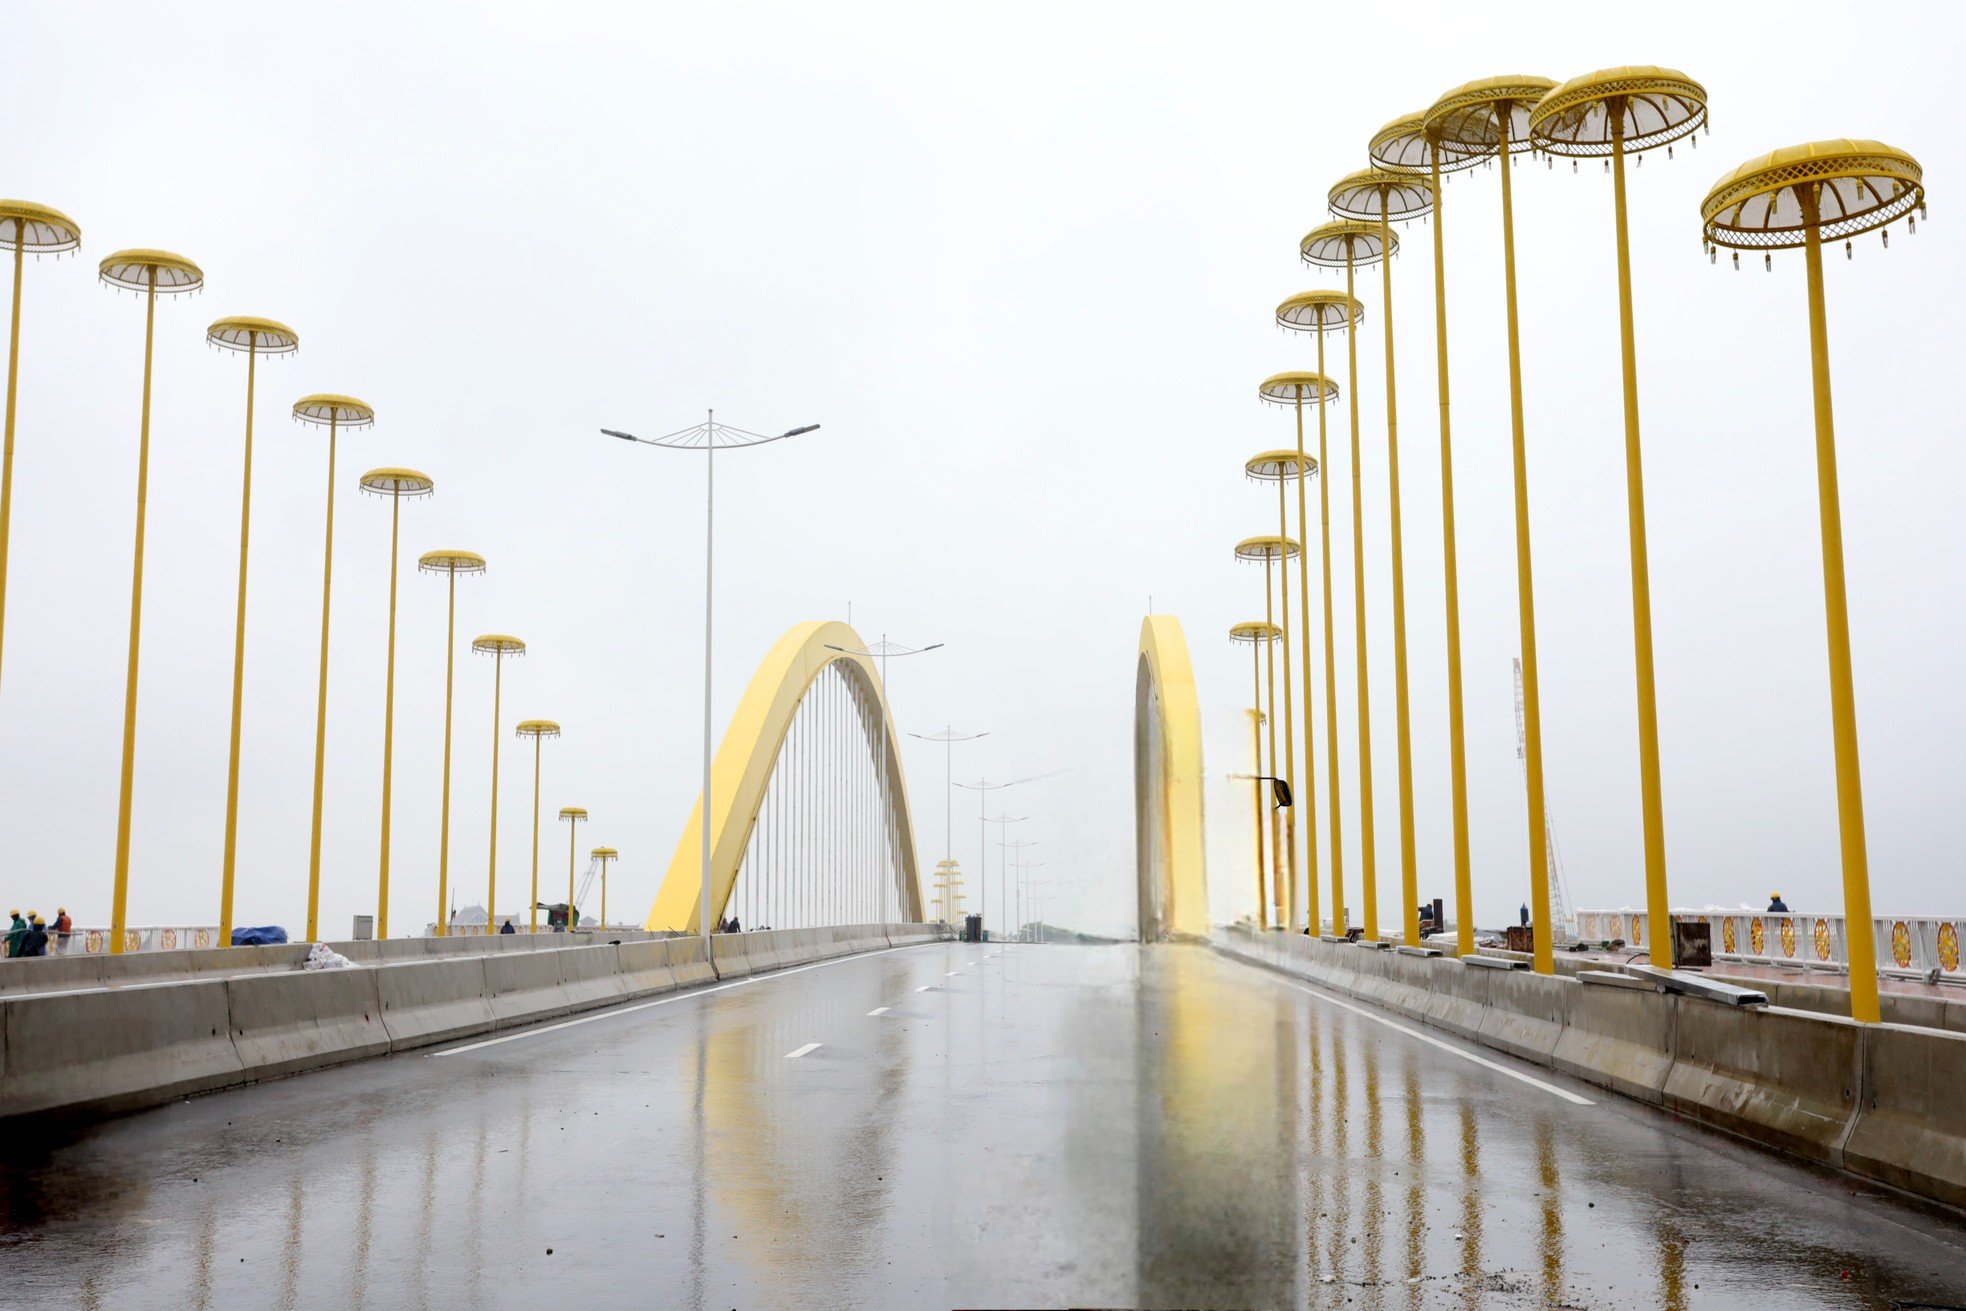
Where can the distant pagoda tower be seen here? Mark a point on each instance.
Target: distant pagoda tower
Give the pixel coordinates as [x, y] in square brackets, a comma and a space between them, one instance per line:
[948, 892]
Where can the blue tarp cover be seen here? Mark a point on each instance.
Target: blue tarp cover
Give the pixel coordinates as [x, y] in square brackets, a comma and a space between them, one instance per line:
[272, 935]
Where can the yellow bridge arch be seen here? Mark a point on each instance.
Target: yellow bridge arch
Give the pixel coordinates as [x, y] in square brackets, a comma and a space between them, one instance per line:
[745, 759]
[1167, 786]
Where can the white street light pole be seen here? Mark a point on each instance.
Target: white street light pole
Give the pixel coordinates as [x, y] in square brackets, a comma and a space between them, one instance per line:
[707, 437]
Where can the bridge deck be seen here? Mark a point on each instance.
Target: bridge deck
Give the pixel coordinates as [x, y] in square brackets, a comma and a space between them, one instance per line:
[949, 1125]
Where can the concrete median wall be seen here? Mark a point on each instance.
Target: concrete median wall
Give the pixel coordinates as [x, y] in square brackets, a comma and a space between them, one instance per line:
[1881, 1101]
[178, 1023]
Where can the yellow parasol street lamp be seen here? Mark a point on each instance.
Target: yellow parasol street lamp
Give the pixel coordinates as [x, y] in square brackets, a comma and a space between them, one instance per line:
[1796, 197]
[604, 855]
[1374, 194]
[1348, 244]
[1257, 636]
[333, 413]
[573, 817]
[1613, 113]
[498, 646]
[1405, 146]
[396, 484]
[1282, 467]
[154, 273]
[1491, 118]
[24, 226]
[1273, 552]
[538, 730]
[1321, 312]
[253, 337]
[450, 564]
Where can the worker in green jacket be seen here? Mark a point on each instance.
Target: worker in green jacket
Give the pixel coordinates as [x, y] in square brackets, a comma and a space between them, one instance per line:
[15, 932]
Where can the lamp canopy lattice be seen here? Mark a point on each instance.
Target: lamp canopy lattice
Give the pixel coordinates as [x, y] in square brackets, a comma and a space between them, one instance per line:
[537, 728]
[1326, 245]
[1487, 116]
[1859, 186]
[326, 408]
[1643, 106]
[246, 332]
[1268, 546]
[450, 562]
[1254, 632]
[1374, 193]
[146, 270]
[1292, 386]
[37, 228]
[397, 482]
[573, 812]
[501, 644]
[605, 853]
[1405, 146]
[1319, 311]
[1279, 466]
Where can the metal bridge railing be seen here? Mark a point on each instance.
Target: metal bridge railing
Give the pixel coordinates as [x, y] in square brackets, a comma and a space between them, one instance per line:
[1912, 946]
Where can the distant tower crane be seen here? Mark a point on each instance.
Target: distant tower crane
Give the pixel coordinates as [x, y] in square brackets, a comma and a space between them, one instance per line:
[1559, 887]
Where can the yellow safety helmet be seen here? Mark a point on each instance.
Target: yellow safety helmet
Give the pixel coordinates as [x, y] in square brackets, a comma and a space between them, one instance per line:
[37, 919]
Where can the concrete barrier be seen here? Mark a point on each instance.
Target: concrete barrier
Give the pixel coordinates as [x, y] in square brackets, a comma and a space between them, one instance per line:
[1911, 1126]
[285, 1023]
[1780, 1077]
[730, 956]
[1526, 1013]
[591, 976]
[645, 968]
[686, 960]
[432, 1001]
[525, 986]
[114, 1049]
[1617, 1038]
[1458, 998]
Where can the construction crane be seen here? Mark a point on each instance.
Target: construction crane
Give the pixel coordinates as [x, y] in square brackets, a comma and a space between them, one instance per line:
[580, 899]
[1559, 886]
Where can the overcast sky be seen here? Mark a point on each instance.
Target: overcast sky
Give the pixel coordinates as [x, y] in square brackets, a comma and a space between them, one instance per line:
[1021, 262]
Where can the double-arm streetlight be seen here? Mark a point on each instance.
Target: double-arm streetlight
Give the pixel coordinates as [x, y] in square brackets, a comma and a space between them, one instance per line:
[708, 437]
[948, 737]
[884, 651]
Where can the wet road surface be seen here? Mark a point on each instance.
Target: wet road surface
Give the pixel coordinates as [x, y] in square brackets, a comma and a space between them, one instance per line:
[950, 1126]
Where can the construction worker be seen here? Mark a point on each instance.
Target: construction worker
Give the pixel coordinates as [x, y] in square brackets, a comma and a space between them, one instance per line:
[35, 941]
[15, 932]
[1776, 906]
[64, 928]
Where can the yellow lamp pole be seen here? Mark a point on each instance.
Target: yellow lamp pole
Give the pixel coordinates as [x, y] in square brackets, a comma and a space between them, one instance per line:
[334, 413]
[1257, 636]
[1404, 146]
[1613, 113]
[1281, 467]
[1347, 244]
[1321, 312]
[1272, 551]
[253, 337]
[1375, 195]
[450, 564]
[24, 226]
[538, 730]
[1796, 197]
[153, 273]
[1491, 117]
[604, 855]
[396, 484]
[498, 646]
[572, 817]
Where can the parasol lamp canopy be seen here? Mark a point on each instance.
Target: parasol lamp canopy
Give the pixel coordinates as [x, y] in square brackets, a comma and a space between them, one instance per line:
[503, 644]
[245, 332]
[1333, 245]
[537, 728]
[1856, 186]
[1375, 194]
[152, 270]
[327, 408]
[1254, 632]
[1404, 146]
[37, 228]
[1319, 311]
[1641, 105]
[1279, 466]
[1474, 116]
[451, 562]
[397, 482]
[1297, 385]
[1269, 546]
